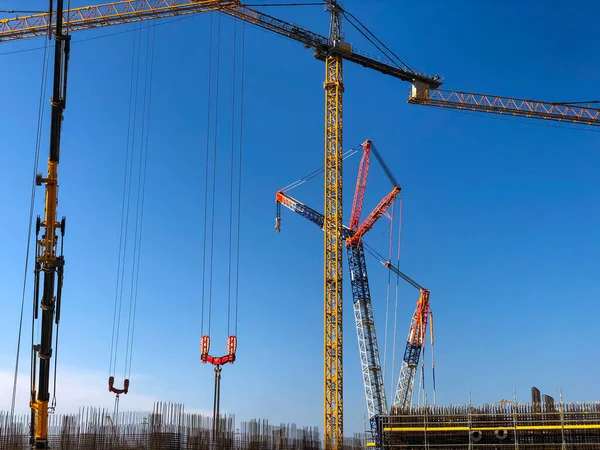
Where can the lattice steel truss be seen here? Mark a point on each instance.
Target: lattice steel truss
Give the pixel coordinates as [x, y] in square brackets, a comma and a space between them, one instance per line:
[504, 105]
[365, 331]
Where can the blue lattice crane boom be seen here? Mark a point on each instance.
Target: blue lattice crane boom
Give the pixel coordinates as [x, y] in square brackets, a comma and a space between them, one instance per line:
[367, 338]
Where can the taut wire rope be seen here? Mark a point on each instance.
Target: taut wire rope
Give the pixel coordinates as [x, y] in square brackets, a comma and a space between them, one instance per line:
[36, 158]
[387, 300]
[231, 167]
[206, 174]
[139, 213]
[397, 293]
[214, 178]
[126, 198]
[239, 194]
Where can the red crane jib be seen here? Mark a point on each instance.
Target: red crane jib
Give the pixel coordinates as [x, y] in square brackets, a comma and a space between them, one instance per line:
[361, 185]
[379, 210]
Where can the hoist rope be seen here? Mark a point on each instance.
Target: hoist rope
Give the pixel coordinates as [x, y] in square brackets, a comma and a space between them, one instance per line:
[387, 300]
[391, 55]
[211, 179]
[116, 411]
[319, 171]
[36, 158]
[235, 26]
[206, 176]
[397, 293]
[239, 194]
[126, 198]
[422, 387]
[214, 178]
[143, 183]
[141, 191]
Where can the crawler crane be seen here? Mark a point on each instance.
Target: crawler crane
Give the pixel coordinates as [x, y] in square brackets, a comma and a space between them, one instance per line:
[333, 51]
[361, 296]
[365, 325]
[415, 343]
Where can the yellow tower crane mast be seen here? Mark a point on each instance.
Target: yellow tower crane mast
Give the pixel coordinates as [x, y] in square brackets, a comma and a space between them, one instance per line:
[333, 51]
[332, 225]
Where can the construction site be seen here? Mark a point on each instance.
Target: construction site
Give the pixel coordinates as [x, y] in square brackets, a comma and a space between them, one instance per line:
[230, 287]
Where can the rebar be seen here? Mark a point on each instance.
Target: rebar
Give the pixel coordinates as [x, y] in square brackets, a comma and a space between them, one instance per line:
[167, 427]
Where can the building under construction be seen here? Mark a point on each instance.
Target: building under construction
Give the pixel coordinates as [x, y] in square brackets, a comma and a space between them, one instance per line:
[539, 424]
[536, 425]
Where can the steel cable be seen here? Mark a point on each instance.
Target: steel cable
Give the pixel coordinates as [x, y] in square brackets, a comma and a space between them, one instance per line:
[214, 179]
[206, 174]
[149, 99]
[43, 85]
[397, 293]
[235, 26]
[125, 206]
[139, 205]
[239, 195]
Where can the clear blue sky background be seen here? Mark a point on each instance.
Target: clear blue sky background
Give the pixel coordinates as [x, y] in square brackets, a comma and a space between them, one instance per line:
[500, 215]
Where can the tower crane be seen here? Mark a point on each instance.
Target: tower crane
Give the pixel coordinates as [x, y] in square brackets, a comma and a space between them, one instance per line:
[333, 50]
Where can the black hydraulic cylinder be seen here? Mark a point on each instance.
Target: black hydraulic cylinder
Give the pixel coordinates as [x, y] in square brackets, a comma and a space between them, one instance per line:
[45, 351]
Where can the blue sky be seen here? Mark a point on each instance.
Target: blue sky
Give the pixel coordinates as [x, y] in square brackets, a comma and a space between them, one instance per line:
[499, 222]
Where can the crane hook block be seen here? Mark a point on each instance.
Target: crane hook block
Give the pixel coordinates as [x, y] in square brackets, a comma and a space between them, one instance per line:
[111, 388]
[218, 360]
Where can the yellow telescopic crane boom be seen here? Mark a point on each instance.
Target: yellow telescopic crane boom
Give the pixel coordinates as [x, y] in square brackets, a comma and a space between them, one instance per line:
[48, 262]
[332, 50]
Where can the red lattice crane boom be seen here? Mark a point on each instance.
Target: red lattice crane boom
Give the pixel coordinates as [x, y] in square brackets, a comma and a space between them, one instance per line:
[361, 185]
[379, 210]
